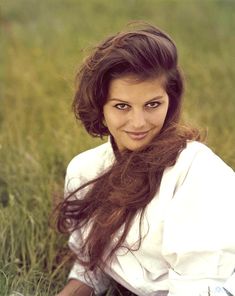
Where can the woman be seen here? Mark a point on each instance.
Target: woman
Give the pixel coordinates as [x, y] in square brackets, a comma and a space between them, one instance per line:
[151, 209]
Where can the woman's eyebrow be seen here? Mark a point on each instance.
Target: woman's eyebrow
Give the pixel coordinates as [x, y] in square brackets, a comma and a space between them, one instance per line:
[155, 98]
[123, 101]
[116, 99]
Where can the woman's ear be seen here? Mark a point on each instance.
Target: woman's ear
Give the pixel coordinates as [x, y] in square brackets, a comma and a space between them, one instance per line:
[104, 122]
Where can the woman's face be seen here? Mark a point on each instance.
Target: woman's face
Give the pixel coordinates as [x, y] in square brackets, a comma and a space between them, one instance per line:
[135, 111]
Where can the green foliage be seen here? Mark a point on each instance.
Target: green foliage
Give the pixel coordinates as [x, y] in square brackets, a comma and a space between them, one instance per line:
[42, 44]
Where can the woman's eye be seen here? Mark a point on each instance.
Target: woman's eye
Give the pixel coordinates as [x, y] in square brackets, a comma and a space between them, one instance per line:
[153, 104]
[121, 106]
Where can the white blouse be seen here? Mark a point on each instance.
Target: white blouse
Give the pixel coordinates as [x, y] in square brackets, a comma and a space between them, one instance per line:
[188, 247]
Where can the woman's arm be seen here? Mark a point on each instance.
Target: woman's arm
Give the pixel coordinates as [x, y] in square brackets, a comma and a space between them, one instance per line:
[76, 288]
[198, 237]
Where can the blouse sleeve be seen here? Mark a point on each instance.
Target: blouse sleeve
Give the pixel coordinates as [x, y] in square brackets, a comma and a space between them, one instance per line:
[199, 230]
[97, 281]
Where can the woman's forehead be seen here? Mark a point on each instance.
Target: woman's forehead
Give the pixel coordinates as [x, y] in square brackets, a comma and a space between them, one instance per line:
[131, 90]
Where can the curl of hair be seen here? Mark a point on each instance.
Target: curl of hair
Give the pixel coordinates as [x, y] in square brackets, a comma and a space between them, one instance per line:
[115, 198]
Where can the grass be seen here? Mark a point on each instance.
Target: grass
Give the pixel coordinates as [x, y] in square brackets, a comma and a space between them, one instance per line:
[41, 47]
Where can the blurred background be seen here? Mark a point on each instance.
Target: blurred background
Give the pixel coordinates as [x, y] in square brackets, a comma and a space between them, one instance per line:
[41, 46]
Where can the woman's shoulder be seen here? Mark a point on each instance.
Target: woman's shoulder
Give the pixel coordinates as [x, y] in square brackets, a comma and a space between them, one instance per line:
[197, 162]
[198, 152]
[201, 161]
[91, 160]
[195, 147]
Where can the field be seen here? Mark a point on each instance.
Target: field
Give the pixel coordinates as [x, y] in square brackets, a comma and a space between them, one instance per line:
[41, 46]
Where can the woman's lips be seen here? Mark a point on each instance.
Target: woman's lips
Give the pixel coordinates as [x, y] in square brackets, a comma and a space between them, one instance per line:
[136, 135]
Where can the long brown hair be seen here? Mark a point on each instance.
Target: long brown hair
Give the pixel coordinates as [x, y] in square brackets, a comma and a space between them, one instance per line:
[116, 196]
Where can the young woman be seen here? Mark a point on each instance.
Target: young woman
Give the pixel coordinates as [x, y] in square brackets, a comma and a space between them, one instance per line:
[153, 208]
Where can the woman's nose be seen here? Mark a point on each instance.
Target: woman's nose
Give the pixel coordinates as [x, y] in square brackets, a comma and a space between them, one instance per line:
[137, 120]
